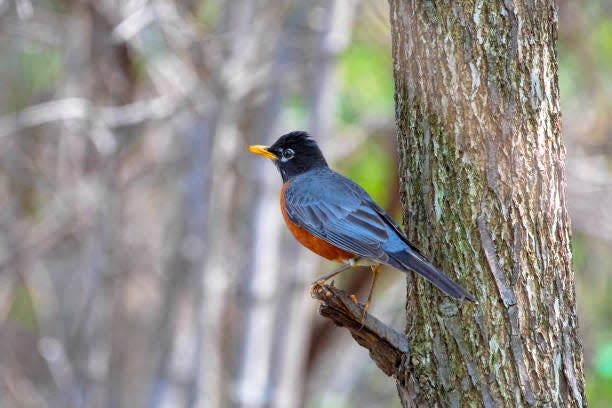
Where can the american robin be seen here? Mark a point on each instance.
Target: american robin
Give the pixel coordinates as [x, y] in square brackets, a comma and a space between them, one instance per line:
[335, 218]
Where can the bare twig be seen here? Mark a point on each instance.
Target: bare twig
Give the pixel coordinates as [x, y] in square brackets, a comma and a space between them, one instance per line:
[82, 109]
[388, 347]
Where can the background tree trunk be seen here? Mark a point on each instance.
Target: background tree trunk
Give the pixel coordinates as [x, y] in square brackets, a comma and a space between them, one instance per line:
[483, 189]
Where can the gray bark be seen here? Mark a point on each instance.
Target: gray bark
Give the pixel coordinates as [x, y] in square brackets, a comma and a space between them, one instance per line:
[483, 189]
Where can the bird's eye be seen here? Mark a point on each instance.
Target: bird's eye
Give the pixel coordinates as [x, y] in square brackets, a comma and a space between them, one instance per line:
[288, 154]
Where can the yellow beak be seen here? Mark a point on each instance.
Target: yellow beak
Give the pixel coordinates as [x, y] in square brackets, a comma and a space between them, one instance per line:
[262, 151]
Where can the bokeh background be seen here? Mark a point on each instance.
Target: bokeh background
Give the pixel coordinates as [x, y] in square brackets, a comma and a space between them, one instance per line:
[143, 258]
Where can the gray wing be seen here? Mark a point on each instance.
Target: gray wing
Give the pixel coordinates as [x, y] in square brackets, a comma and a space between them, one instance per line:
[340, 212]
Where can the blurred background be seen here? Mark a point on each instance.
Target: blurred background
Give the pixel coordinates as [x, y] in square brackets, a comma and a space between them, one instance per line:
[143, 258]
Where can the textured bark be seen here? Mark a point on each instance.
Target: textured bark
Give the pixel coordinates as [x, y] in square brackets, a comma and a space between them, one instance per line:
[483, 190]
[388, 348]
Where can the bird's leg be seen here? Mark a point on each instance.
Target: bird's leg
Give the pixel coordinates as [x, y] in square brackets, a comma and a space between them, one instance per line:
[335, 272]
[375, 269]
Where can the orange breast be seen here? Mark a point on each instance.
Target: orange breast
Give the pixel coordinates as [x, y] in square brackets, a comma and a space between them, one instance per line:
[312, 242]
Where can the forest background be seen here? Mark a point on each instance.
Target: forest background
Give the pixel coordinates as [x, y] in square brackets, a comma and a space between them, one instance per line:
[143, 260]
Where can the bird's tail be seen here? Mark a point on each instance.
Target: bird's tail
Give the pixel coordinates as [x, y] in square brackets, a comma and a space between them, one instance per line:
[420, 265]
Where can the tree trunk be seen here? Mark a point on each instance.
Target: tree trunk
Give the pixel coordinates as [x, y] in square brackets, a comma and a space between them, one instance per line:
[483, 190]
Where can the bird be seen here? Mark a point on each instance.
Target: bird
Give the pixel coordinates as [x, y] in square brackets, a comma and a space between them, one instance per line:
[337, 219]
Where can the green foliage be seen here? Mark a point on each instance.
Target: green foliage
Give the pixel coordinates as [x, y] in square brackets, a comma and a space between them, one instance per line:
[603, 361]
[590, 256]
[58, 6]
[599, 374]
[209, 12]
[22, 309]
[40, 67]
[29, 71]
[569, 73]
[295, 111]
[601, 40]
[371, 168]
[579, 252]
[585, 62]
[367, 90]
[367, 82]
[598, 390]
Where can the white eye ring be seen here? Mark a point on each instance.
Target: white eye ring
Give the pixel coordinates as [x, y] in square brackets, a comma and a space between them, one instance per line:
[287, 154]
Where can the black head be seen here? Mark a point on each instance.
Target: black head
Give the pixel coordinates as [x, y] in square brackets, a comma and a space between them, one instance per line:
[293, 154]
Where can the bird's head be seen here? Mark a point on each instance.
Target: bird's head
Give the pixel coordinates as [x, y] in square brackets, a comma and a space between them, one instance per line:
[293, 154]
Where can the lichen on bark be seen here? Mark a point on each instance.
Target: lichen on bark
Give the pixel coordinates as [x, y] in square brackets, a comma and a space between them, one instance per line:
[483, 191]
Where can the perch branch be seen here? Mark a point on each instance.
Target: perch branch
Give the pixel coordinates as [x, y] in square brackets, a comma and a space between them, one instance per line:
[388, 347]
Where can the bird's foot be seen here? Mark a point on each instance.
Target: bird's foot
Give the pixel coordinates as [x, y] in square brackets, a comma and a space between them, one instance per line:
[364, 316]
[327, 277]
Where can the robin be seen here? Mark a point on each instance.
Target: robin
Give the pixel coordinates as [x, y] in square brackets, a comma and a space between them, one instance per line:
[335, 218]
